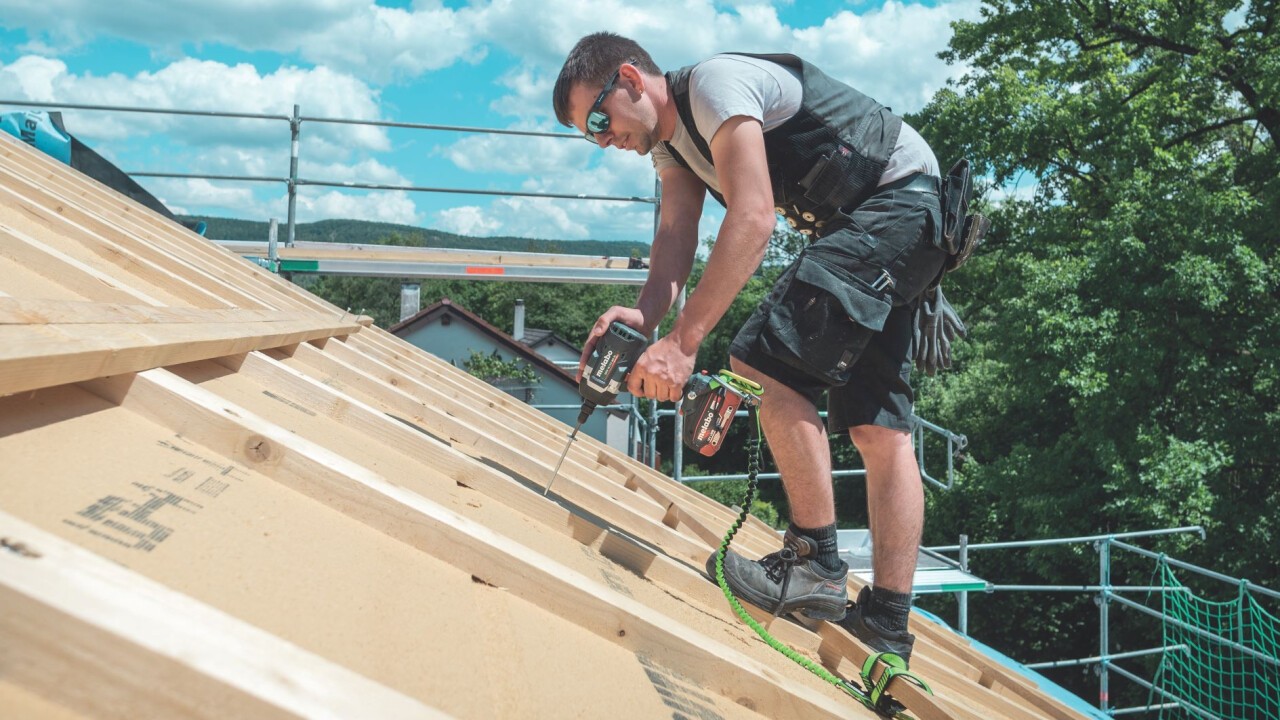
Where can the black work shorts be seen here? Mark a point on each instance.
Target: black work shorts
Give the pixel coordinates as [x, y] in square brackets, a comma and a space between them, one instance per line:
[840, 318]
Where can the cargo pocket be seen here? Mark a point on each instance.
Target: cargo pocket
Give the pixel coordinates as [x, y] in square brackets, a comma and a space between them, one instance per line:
[823, 320]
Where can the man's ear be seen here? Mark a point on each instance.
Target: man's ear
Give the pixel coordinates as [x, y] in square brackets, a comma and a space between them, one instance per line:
[635, 79]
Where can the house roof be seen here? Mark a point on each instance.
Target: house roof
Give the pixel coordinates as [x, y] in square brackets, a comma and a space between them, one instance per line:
[214, 477]
[524, 351]
[534, 336]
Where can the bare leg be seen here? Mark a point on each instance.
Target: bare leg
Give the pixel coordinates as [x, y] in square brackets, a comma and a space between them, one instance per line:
[895, 503]
[798, 440]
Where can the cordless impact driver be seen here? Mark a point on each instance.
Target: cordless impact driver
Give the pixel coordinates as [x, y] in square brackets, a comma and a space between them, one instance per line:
[604, 376]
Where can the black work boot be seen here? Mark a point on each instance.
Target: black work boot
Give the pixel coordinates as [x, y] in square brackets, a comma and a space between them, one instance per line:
[790, 580]
[871, 625]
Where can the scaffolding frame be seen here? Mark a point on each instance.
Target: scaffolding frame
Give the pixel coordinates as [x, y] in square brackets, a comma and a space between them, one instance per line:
[1107, 593]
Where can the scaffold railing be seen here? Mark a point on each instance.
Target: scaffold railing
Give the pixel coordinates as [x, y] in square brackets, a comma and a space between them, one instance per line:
[1218, 660]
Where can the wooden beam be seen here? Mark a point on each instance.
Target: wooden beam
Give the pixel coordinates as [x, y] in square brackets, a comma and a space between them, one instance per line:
[615, 466]
[36, 356]
[79, 279]
[538, 428]
[142, 263]
[994, 675]
[94, 636]
[15, 311]
[140, 230]
[355, 491]
[344, 251]
[476, 442]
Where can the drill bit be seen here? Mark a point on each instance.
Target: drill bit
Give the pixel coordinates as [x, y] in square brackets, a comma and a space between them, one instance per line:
[567, 445]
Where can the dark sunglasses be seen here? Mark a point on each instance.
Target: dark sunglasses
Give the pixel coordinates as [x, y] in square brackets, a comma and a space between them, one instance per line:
[597, 119]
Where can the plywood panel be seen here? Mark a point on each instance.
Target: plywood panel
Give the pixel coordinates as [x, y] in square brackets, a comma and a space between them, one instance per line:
[20, 702]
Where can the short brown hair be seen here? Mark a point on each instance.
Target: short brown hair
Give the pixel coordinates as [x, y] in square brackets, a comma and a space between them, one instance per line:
[592, 61]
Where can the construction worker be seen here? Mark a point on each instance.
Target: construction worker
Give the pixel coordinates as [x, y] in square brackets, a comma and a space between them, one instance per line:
[768, 135]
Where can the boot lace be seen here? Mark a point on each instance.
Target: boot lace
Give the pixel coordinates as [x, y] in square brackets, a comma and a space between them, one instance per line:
[777, 567]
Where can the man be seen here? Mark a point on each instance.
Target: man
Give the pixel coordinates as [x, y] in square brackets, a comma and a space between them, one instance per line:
[765, 135]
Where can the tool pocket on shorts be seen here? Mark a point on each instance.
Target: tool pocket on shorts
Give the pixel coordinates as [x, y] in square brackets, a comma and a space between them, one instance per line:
[823, 320]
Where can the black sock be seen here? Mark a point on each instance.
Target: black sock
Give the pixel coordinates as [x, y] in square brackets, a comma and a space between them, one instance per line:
[889, 608]
[828, 547]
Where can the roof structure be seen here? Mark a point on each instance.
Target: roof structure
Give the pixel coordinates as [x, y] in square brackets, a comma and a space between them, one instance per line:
[223, 497]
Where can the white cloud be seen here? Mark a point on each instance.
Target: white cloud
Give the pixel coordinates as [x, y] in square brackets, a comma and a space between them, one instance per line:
[191, 84]
[31, 78]
[390, 42]
[368, 170]
[389, 206]
[468, 220]
[182, 195]
[357, 35]
[889, 53]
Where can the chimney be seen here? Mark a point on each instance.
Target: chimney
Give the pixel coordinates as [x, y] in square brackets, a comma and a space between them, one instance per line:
[518, 332]
[410, 300]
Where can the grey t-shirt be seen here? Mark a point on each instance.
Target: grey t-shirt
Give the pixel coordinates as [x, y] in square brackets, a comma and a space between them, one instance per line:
[725, 86]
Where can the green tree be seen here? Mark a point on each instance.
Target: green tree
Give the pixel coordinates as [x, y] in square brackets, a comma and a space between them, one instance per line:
[1121, 369]
[492, 368]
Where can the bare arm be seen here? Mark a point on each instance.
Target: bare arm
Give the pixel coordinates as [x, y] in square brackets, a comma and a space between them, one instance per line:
[674, 245]
[738, 152]
[741, 166]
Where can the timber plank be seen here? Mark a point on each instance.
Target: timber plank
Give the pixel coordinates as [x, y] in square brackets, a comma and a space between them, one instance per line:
[539, 429]
[62, 269]
[612, 465]
[140, 227]
[36, 356]
[16, 311]
[477, 443]
[136, 260]
[472, 410]
[67, 612]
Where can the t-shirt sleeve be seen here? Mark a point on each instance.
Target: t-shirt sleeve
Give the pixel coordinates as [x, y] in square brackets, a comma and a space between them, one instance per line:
[724, 87]
[662, 159]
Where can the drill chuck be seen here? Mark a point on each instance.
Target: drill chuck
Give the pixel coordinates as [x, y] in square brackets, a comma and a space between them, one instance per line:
[588, 407]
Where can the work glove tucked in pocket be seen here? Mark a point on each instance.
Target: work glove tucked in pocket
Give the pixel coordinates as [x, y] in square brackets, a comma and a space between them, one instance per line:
[937, 324]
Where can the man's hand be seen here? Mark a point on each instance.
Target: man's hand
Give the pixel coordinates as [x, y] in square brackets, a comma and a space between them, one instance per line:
[630, 317]
[662, 371]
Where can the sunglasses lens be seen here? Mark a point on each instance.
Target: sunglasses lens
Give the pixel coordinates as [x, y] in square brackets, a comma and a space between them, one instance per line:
[597, 122]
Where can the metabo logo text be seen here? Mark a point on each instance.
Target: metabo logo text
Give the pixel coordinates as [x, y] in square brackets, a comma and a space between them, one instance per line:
[706, 424]
[606, 364]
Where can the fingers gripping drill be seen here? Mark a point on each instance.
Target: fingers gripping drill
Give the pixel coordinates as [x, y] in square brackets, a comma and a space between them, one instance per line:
[708, 404]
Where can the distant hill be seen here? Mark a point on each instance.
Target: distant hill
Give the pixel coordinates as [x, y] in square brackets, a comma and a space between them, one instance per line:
[364, 232]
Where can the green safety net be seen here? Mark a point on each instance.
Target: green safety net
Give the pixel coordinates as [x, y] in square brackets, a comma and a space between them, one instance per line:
[1213, 673]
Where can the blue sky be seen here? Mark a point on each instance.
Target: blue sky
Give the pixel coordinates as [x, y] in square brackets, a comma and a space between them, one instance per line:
[487, 63]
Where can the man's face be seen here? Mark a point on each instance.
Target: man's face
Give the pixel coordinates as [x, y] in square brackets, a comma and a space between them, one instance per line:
[616, 115]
